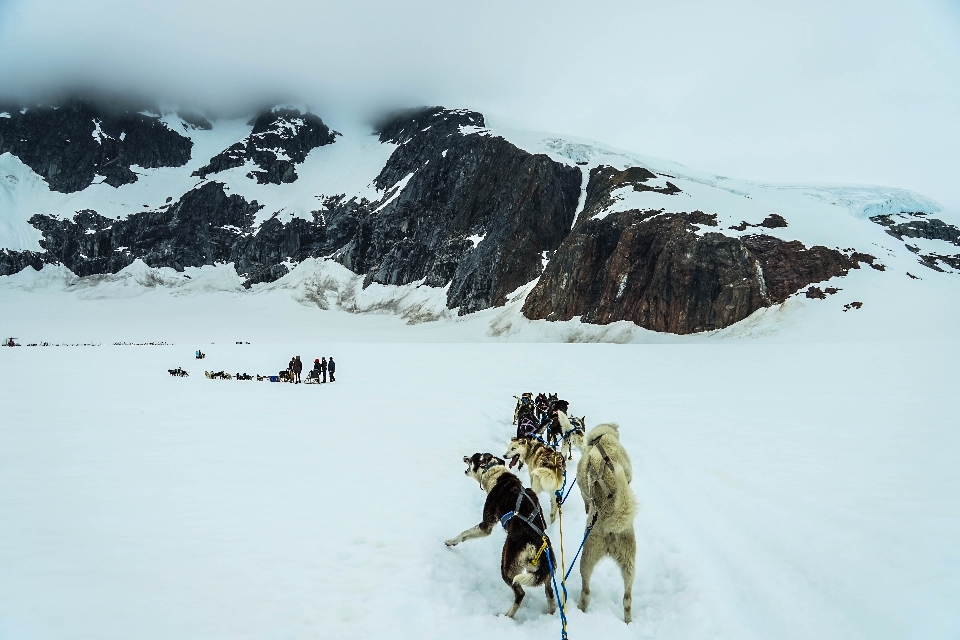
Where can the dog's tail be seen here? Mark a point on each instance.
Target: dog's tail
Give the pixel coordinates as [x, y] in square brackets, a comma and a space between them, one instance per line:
[549, 479]
[622, 508]
[535, 578]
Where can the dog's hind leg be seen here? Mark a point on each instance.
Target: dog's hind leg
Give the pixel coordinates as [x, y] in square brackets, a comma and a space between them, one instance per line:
[518, 594]
[551, 600]
[626, 557]
[593, 552]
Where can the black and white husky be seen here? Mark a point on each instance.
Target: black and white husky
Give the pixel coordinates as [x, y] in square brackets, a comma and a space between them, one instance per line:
[524, 561]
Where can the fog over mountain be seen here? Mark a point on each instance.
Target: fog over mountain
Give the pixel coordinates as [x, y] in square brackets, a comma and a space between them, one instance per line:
[850, 93]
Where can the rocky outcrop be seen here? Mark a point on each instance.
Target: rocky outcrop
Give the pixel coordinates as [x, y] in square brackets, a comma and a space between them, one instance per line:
[604, 180]
[788, 267]
[651, 268]
[462, 208]
[664, 273]
[16, 261]
[917, 225]
[280, 140]
[772, 221]
[201, 228]
[206, 226]
[70, 145]
[470, 211]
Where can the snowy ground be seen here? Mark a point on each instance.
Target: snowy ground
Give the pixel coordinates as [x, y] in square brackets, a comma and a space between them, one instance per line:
[787, 490]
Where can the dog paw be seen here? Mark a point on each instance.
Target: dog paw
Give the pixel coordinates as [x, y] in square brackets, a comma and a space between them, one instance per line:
[450, 543]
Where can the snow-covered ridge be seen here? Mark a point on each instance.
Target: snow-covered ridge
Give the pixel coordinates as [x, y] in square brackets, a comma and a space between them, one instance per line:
[349, 166]
[427, 202]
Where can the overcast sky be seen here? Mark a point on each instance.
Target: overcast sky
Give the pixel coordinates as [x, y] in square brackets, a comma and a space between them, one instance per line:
[802, 91]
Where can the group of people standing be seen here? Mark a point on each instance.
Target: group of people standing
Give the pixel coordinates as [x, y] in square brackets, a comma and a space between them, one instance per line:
[321, 367]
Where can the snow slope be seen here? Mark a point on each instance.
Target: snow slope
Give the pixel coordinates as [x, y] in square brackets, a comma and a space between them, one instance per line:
[787, 491]
[322, 298]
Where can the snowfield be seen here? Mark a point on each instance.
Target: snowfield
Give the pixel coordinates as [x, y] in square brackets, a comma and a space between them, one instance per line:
[797, 472]
[800, 490]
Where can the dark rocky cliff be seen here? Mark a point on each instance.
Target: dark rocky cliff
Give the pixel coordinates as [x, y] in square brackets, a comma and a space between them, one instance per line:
[444, 186]
[70, 145]
[651, 268]
[276, 133]
[441, 187]
[918, 225]
[201, 228]
[668, 271]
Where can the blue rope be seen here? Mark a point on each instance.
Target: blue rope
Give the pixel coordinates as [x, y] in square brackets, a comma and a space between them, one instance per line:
[574, 561]
[552, 446]
[556, 593]
[561, 497]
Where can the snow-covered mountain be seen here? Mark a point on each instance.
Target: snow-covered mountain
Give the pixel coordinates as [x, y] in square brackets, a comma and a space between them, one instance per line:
[470, 215]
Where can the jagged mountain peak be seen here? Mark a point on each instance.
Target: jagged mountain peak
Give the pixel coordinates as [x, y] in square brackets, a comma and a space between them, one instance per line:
[71, 144]
[401, 127]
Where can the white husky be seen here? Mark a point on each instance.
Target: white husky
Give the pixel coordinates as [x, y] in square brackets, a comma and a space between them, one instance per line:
[604, 474]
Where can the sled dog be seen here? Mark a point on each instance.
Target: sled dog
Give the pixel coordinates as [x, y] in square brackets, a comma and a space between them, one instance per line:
[573, 430]
[523, 561]
[545, 466]
[604, 474]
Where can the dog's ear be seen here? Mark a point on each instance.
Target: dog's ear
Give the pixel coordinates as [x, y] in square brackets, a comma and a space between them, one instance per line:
[466, 459]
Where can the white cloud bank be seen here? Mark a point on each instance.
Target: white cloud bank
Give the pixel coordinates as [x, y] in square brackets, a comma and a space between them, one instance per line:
[865, 92]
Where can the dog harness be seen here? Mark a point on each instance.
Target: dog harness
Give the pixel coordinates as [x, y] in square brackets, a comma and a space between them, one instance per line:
[597, 476]
[516, 513]
[529, 520]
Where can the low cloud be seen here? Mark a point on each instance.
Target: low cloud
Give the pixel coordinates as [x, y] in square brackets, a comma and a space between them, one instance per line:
[813, 91]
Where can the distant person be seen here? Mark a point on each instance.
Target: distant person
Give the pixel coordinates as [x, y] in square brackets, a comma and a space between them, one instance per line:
[290, 374]
[297, 369]
[323, 369]
[332, 366]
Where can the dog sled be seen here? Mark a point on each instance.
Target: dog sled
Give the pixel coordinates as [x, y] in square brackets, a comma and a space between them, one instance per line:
[313, 377]
[178, 372]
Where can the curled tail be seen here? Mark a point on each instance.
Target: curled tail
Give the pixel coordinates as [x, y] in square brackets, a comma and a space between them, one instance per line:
[549, 479]
[540, 573]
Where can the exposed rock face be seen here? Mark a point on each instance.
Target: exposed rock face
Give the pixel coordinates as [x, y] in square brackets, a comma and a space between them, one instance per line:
[604, 180]
[789, 266]
[654, 269]
[280, 139]
[470, 211]
[201, 228]
[931, 229]
[16, 261]
[772, 221]
[919, 226]
[444, 186]
[650, 268]
[72, 144]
